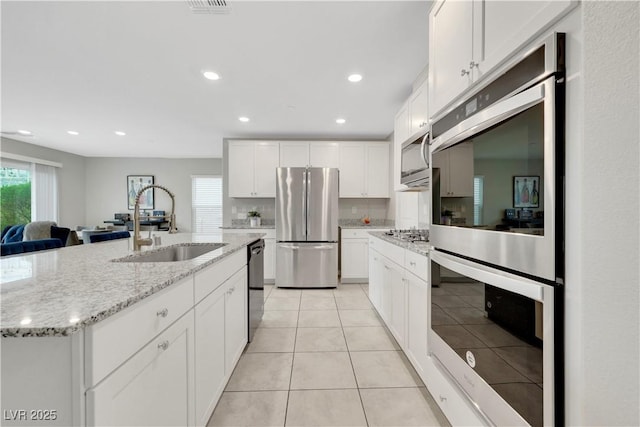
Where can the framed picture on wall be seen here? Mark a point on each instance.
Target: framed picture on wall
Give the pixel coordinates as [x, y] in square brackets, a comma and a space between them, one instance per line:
[134, 184]
[526, 191]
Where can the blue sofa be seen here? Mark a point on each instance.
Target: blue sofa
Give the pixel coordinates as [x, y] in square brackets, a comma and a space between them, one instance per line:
[103, 237]
[13, 244]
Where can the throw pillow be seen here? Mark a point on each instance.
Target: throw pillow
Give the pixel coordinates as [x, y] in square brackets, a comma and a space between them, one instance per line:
[60, 233]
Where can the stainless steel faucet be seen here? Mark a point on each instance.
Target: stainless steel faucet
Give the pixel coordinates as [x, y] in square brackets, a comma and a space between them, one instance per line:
[138, 241]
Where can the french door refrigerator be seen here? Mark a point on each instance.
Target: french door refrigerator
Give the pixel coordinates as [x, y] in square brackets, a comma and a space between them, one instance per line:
[307, 227]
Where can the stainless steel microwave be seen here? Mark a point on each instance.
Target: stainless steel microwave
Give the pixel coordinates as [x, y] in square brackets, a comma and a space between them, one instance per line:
[414, 162]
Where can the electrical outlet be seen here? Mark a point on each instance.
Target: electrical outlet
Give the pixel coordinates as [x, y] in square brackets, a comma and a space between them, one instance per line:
[354, 210]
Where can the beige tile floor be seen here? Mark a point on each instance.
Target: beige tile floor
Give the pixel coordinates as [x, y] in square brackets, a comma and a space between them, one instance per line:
[322, 357]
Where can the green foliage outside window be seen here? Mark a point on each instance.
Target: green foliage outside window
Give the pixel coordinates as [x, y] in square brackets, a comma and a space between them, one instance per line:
[15, 204]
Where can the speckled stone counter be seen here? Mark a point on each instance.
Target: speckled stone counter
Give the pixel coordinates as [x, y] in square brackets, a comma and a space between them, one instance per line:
[249, 227]
[421, 248]
[60, 291]
[375, 223]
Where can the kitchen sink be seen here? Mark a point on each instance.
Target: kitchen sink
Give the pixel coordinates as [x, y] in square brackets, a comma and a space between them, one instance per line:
[181, 252]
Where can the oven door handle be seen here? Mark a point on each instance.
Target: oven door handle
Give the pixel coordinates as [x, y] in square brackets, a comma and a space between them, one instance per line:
[492, 115]
[492, 276]
[423, 149]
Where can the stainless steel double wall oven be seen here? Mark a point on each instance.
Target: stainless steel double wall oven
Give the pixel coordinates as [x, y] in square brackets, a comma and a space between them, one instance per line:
[497, 185]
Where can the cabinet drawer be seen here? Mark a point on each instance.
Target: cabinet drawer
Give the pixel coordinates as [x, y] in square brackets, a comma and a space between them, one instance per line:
[358, 233]
[417, 264]
[110, 342]
[208, 279]
[391, 251]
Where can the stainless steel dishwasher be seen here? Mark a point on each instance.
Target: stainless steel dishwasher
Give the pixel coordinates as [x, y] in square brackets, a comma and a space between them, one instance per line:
[255, 262]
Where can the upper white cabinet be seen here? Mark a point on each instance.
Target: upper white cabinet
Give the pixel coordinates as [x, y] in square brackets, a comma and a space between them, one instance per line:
[364, 169]
[419, 108]
[311, 154]
[456, 171]
[252, 168]
[401, 132]
[468, 39]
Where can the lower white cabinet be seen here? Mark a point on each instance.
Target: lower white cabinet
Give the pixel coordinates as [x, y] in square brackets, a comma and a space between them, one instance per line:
[394, 279]
[221, 335]
[209, 359]
[418, 302]
[235, 319]
[153, 387]
[354, 254]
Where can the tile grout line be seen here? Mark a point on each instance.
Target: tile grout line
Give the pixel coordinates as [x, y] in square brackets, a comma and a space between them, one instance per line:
[293, 358]
[364, 412]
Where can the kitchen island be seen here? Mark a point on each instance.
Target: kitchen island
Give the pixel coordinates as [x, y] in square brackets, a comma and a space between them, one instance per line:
[90, 341]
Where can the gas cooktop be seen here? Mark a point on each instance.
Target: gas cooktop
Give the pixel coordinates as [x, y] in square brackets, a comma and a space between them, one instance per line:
[409, 235]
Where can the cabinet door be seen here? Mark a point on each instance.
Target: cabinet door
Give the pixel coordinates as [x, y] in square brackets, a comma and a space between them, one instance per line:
[460, 182]
[270, 260]
[376, 278]
[504, 27]
[401, 131]
[450, 51]
[417, 321]
[352, 170]
[324, 154]
[419, 108]
[377, 172]
[355, 259]
[151, 388]
[241, 169]
[398, 310]
[407, 209]
[267, 159]
[294, 154]
[235, 314]
[209, 354]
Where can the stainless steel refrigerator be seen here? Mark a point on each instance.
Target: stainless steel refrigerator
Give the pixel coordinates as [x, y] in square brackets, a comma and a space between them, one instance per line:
[307, 227]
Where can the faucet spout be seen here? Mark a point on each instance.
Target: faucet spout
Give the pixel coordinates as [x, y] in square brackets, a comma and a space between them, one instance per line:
[138, 241]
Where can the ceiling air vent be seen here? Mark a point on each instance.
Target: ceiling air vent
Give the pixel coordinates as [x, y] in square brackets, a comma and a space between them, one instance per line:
[209, 6]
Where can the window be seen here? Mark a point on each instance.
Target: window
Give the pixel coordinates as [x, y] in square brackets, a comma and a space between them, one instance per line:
[15, 193]
[206, 203]
[478, 195]
[29, 190]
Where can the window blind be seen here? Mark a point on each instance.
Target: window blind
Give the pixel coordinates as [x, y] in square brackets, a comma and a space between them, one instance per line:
[206, 203]
[44, 195]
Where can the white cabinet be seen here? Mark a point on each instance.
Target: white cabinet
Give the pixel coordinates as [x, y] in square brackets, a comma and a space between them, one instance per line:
[419, 108]
[376, 278]
[354, 254]
[153, 387]
[468, 39]
[417, 320]
[401, 132]
[394, 279]
[456, 170]
[252, 168]
[364, 169]
[236, 329]
[312, 154]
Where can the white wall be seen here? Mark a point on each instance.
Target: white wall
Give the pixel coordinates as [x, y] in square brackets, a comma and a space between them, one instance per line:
[106, 187]
[70, 178]
[603, 201]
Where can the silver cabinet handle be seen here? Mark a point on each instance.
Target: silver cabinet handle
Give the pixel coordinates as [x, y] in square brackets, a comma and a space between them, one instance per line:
[163, 345]
[473, 65]
[412, 263]
[386, 268]
[442, 398]
[162, 313]
[464, 72]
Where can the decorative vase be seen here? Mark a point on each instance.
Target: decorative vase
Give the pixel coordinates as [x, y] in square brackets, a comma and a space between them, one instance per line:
[255, 221]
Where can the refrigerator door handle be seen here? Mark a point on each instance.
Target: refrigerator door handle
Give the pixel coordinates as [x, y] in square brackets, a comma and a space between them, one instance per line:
[307, 177]
[292, 247]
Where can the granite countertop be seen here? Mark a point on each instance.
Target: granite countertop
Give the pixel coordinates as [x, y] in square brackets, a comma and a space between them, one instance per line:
[375, 223]
[421, 248]
[58, 292]
[249, 227]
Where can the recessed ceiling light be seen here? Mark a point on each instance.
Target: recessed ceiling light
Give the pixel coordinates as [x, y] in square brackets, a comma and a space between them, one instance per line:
[74, 320]
[243, 119]
[24, 132]
[210, 75]
[354, 78]
[25, 321]
[341, 121]
[120, 133]
[73, 132]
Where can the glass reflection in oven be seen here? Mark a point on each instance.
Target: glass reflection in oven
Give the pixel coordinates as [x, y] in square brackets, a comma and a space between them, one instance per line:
[497, 333]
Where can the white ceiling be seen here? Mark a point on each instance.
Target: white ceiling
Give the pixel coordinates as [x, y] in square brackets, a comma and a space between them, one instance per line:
[97, 67]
